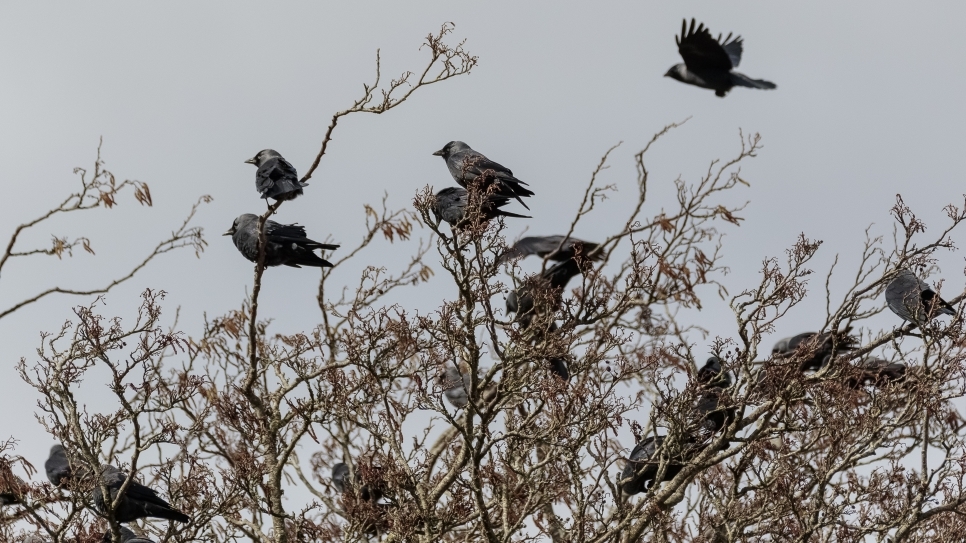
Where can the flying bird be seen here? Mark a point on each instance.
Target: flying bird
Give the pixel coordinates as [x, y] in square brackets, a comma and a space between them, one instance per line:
[556, 248]
[468, 166]
[913, 300]
[286, 244]
[451, 202]
[709, 63]
[137, 502]
[644, 464]
[276, 177]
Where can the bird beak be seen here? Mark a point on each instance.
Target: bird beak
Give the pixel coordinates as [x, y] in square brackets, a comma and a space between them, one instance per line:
[438, 153]
[228, 233]
[250, 161]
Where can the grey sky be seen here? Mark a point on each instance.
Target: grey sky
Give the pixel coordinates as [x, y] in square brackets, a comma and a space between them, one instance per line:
[868, 104]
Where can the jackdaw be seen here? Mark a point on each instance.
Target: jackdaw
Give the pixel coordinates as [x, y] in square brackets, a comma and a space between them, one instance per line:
[57, 466]
[275, 178]
[709, 63]
[137, 502]
[374, 488]
[557, 248]
[814, 349]
[559, 368]
[468, 166]
[285, 243]
[644, 464]
[127, 536]
[12, 488]
[913, 300]
[712, 382]
[451, 205]
[875, 371]
[552, 280]
[455, 386]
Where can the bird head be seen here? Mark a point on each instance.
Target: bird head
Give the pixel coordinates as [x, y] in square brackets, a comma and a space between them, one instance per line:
[676, 72]
[262, 156]
[451, 148]
[243, 223]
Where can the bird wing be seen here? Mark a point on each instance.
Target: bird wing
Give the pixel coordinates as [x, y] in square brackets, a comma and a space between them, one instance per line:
[532, 245]
[475, 163]
[274, 169]
[701, 51]
[560, 274]
[288, 232]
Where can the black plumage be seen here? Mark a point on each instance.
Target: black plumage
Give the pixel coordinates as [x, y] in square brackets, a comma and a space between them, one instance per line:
[559, 368]
[138, 501]
[57, 466]
[451, 204]
[557, 248]
[712, 382]
[367, 484]
[286, 244]
[276, 178]
[709, 63]
[644, 464]
[875, 371]
[551, 282]
[12, 488]
[469, 167]
[812, 349]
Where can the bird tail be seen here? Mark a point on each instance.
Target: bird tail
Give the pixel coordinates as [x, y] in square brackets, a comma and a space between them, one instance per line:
[324, 246]
[160, 511]
[309, 259]
[742, 80]
[502, 213]
[514, 188]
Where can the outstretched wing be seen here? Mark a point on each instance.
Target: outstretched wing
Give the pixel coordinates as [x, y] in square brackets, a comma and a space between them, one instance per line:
[701, 52]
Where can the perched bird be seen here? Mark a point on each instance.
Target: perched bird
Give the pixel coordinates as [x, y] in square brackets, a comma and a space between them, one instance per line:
[712, 381]
[468, 166]
[644, 464]
[559, 368]
[553, 279]
[285, 243]
[455, 386]
[709, 63]
[913, 300]
[557, 248]
[875, 371]
[451, 205]
[814, 349]
[137, 502]
[57, 466]
[12, 488]
[127, 536]
[369, 485]
[275, 178]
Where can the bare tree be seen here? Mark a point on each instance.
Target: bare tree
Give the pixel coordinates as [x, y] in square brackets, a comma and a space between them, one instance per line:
[342, 432]
[98, 189]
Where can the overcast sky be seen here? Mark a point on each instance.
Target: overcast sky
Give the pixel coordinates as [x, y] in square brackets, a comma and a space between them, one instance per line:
[869, 104]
